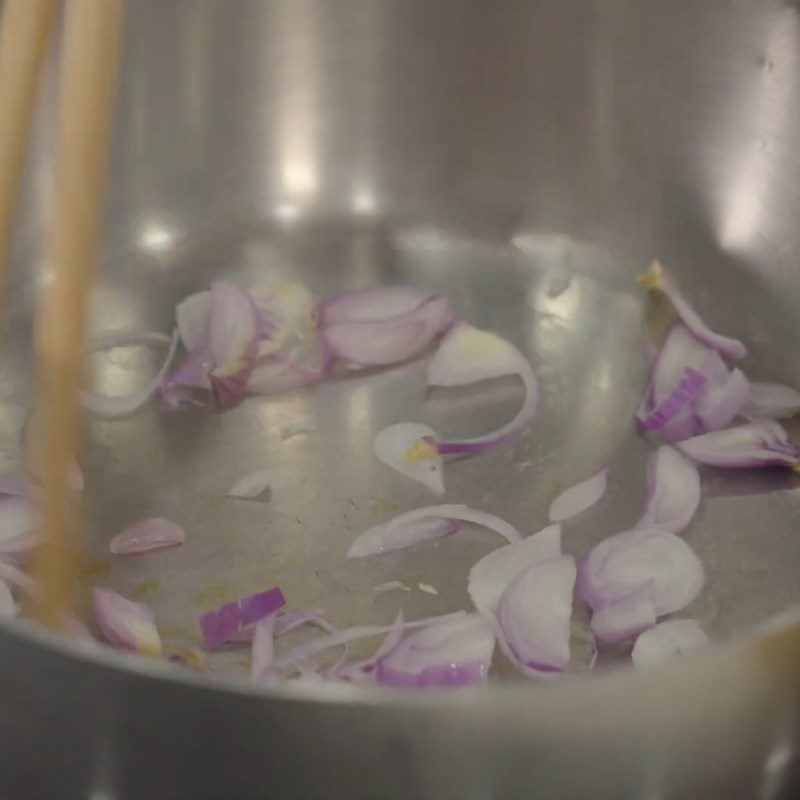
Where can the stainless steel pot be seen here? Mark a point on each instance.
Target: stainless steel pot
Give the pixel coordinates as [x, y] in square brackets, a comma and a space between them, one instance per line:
[528, 158]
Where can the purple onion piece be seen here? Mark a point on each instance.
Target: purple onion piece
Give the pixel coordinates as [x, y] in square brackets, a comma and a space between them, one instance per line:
[226, 622]
[763, 443]
[673, 486]
[425, 524]
[655, 278]
[619, 620]
[153, 533]
[445, 654]
[689, 389]
[723, 402]
[467, 355]
[534, 615]
[579, 497]
[411, 449]
[667, 640]
[125, 624]
[622, 563]
[306, 650]
[490, 576]
[380, 342]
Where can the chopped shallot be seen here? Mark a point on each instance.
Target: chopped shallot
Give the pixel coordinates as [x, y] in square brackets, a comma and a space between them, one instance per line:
[579, 497]
[424, 524]
[763, 443]
[124, 623]
[534, 615]
[226, 622]
[153, 533]
[673, 486]
[675, 637]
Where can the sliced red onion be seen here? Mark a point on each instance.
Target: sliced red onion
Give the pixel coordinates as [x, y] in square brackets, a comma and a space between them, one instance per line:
[673, 486]
[8, 608]
[490, 576]
[125, 405]
[383, 539]
[627, 617]
[771, 401]
[411, 449]
[288, 621]
[373, 304]
[374, 343]
[622, 563]
[226, 622]
[124, 623]
[655, 278]
[467, 355]
[454, 653]
[579, 497]
[675, 637]
[306, 650]
[253, 484]
[364, 669]
[425, 524]
[534, 615]
[681, 350]
[678, 402]
[724, 401]
[192, 317]
[763, 443]
[232, 341]
[153, 533]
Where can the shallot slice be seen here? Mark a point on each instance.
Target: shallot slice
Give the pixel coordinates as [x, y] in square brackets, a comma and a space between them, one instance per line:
[763, 443]
[622, 563]
[380, 342]
[673, 486]
[410, 448]
[669, 639]
[124, 623]
[579, 497]
[153, 533]
[724, 401]
[534, 615]
[626, 617]
[227, 621]
[490, 576]
[771, 401]
[467, 355]
[425, 524]
[386, 537]
[306, 650]
[654, 278]
[232, 342]
[457, 652]
[252, 484]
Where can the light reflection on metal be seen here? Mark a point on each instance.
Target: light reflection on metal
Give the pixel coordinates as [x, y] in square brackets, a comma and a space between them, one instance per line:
[770, 107]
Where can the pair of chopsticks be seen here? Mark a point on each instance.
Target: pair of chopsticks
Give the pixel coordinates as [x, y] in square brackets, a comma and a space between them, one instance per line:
[88, 72]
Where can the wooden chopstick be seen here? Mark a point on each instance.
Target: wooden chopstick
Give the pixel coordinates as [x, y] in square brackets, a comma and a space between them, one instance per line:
[23, 38]
[88, 76]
